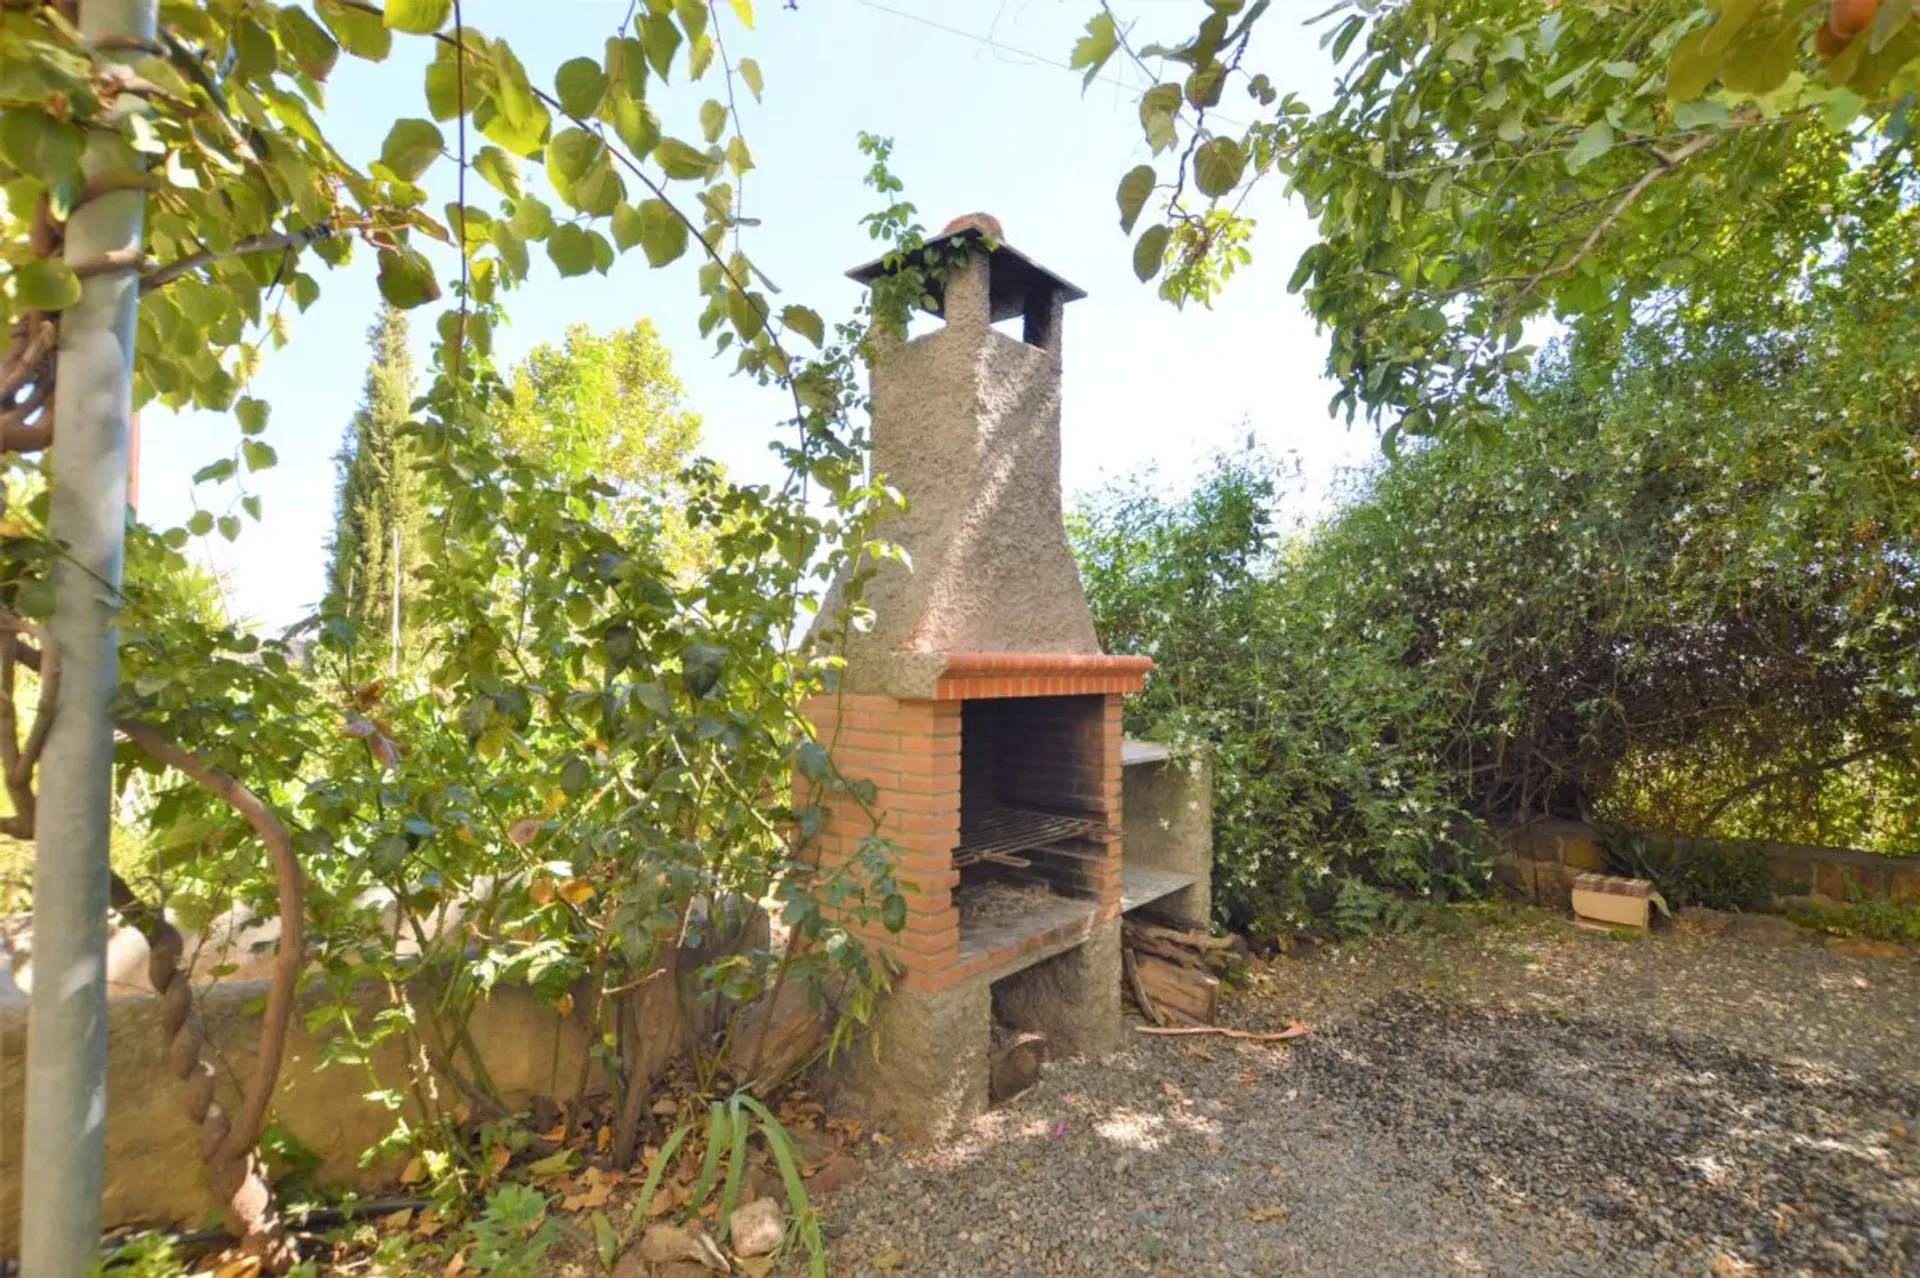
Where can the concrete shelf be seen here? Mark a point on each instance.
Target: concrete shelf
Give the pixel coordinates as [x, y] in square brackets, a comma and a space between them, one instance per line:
[997, 947]
[1140, 886]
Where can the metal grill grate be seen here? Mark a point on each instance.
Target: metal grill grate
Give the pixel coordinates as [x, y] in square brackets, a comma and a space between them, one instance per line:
[1001, 834]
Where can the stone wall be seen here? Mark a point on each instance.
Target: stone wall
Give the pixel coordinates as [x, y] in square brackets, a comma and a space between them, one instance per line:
[1541, 860]
[154, 1175]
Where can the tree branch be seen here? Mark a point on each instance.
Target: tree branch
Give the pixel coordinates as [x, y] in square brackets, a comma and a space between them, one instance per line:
[289, 952]
[161, 276]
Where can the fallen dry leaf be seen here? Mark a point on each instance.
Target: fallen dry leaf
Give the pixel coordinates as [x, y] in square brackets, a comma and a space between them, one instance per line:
[1902, 1132]
[755, 1266]
[593, 1193]
[1199, 1050]
[412, 1173]
[1260, 1215]
[888, 1260]
[429, 1225]
[396, 1222]
[244, 1267]
[455, 1264]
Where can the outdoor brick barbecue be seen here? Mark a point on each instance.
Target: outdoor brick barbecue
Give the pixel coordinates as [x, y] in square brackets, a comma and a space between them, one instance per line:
[979, 702]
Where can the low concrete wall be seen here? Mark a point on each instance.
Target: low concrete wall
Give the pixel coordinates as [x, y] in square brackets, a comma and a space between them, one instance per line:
[1541, 861]
[154, 1175]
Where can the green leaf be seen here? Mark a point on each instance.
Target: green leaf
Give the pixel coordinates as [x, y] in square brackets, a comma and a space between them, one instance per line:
[40, 146]
[229, 526]
[713, 120]
[200, 523]
[747, 311]
[893, 912]
[1730, 21]
[251, 413]
[1887, 21]
[743, 10]
[502, 171]
[251, 504]
[312, 48]
[580, 84]
[750, 72]
[407, 279]
[1217, 166]
[512, 249]
[1762, 61]
[258, 453]
[360, 33]
[605, 1243]
[1594, 141]
[1149, 252]
[1158, 109]
[422, 17]
[1705, 113]
[411, 148]
[626, 226]
[45, 284]
[532, 219]
[1692, 67]
[739, 158]
[663, 236]
[682, 162]
[1135, 189]
[637, 124]
[571, 249]
[805, 322]
[213, 472]
[693, 17]
[572, 152]
[661, 40]
[1095, 47]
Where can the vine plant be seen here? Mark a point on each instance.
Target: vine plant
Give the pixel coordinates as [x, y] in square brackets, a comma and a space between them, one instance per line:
[593, 752]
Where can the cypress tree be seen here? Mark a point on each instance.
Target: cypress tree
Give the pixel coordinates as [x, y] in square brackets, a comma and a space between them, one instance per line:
[379, 493]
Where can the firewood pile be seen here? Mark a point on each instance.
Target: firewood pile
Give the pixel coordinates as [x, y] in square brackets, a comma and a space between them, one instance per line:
[1173, 977]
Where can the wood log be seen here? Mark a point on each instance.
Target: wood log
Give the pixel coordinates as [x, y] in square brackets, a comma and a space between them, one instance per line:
[1198, 941]
[1014, 1063]
[1141, 999]
[1176, 988]
[1166, 952]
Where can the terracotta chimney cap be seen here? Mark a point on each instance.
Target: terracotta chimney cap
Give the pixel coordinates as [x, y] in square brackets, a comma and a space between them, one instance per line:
[985, 223]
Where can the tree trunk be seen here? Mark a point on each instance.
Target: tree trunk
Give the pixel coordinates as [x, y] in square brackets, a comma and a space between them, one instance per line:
[66, 1098]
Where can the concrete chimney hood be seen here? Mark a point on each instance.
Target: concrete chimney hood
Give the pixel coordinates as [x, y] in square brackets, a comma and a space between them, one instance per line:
[966, 425]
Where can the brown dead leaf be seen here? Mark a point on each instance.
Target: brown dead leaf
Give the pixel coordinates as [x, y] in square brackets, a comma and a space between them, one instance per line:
[413, 1172]
[396, 1222]
[521, 832]
[1260, 1215]
[541, 891]
[564, 1005]
[243, 1267]
[1199, 1050]
[456, 1263]
[1725, 1266]
[497, 1159]
[1902, 1132]
[603, 1139]
[576, 891]
[429, 1225]
[594, 1192]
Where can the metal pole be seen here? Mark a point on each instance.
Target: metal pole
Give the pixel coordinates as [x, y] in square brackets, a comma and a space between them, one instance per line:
[65, 1152]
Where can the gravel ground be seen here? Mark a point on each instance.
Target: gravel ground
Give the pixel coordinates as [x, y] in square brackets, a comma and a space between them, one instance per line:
[1518, 1097]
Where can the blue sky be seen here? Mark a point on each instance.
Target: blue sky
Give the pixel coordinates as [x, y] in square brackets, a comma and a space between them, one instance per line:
[983, 117]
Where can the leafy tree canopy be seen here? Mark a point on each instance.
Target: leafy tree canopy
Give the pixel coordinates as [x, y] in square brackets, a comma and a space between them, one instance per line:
[1485, 164]
[1679, 585]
